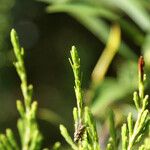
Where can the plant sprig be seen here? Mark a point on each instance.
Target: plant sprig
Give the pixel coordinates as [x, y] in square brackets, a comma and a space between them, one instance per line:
[30, 136]
[75, 64]
[27, 125]
[133, 132]
[85, 135]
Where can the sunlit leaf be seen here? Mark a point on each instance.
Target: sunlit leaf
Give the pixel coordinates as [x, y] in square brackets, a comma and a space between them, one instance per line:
[107, 55]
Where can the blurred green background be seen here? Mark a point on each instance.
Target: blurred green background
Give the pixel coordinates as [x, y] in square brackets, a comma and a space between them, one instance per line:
[47, 30]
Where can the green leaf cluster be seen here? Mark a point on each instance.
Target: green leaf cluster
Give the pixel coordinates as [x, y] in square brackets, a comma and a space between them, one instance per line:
[135, 133]
[30, 136]
[132, 133]
[85, 134]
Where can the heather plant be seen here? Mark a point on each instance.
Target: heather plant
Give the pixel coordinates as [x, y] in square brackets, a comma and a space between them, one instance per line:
[132, 133]
[85, 135]
[135, 132]
[30, 136]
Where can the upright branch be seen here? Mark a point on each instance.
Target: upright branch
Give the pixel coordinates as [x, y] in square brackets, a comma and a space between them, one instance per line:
[20, 67]
[27, 125]
[85, 135]
[75, 64]
[133, 132]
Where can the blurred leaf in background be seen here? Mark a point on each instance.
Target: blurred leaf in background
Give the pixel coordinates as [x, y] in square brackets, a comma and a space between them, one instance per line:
[6, 21]
[94, 15]
[97, 16]
[108, 54]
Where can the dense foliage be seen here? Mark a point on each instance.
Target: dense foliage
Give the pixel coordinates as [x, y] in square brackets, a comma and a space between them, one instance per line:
[135, 133]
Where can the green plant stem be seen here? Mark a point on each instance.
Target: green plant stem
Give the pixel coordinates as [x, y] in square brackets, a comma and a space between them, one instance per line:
[27, 124]
[135, 132]
[20, 67]
[141, 102]
[75, 64]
